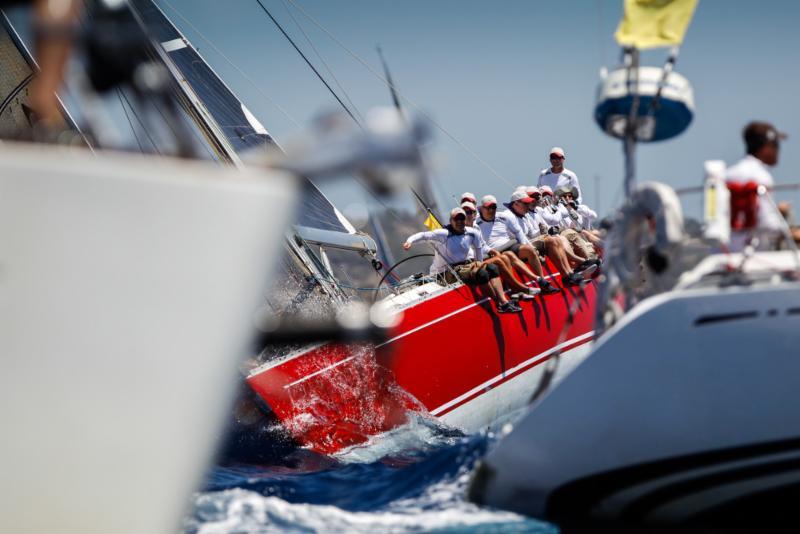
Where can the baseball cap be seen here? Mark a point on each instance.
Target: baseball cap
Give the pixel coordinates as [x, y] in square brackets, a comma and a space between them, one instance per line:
[521, 196]
[557, 150]
[545, 190]
[561, 191]
[759, 133]
[532, 190]
[469, 196]
[488, 200]
[468, 205]
[457, 211]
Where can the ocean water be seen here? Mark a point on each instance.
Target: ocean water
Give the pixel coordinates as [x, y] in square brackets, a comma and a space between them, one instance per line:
[412, 479]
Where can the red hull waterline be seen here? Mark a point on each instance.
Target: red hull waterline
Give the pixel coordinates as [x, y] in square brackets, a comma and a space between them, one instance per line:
[452, 356]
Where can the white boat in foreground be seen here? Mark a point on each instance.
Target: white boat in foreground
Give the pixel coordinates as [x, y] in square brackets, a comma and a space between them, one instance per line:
[127, 288]
[684, 413]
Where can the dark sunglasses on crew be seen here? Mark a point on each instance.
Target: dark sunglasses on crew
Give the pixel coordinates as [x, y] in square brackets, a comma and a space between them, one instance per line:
[459, 218]
[556, 156]
[491, 207]
[468, 211]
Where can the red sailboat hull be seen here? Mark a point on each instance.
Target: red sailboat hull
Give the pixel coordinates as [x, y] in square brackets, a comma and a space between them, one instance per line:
[452, 355]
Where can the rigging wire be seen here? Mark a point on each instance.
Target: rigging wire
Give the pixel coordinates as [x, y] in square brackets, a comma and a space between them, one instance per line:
[130, 123]
[141, 123]
[410, 102]
[324, 63]
[311, 65]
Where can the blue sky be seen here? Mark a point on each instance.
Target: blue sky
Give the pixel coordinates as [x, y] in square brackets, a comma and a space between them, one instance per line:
[511, 79]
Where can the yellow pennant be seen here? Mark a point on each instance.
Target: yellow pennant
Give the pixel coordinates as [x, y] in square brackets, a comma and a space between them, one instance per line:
[431, 223]
[654, 23]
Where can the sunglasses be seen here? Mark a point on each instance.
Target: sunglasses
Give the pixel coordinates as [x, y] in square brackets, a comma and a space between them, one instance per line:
[469, 211]
[492, 207]
[556, 156]
[459, 218]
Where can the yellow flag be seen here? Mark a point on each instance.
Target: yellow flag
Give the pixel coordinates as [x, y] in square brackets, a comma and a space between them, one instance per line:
[431, 223]
[654, 23]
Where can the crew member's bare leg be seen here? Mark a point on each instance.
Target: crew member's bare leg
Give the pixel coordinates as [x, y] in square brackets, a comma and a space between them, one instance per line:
[496, 289]
[572, 253]
[557, 254]
[592, 238]
[503, 263]
[527, 253]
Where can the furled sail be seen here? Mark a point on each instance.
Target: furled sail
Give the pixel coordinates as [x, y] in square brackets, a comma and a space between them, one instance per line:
[236, 129]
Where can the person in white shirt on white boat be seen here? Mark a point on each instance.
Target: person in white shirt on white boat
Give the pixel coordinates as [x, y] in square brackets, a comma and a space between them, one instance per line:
[502, 231]
[452, 246]
[557, 176]
[751, 216]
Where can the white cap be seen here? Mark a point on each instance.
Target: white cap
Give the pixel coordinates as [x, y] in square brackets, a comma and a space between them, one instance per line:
[521, 196]
[531, 189]
[545, 190]
[557, 150]
[470, 205]
[457, 211]
[469, 196]
[488, 200]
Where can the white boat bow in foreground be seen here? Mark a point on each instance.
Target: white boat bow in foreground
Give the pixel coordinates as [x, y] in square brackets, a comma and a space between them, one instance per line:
[127, 287]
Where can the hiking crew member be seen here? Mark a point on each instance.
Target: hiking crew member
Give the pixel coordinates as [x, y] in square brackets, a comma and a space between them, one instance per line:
[580, 219]
[452, 246]
[557, 176]
[572, 225]
[552, 247]
[553, 214]
[503, 262]
[502, 231]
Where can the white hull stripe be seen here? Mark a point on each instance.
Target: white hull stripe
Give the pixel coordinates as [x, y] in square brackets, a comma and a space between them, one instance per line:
[270, 365]
[404, 334]
[438, 319]
[486, 385]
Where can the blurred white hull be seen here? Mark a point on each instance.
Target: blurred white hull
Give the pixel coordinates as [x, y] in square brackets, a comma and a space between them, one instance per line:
[127, 286]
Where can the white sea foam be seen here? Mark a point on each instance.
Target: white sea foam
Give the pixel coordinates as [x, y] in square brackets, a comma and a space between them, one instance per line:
[240, 510]
[422, 433]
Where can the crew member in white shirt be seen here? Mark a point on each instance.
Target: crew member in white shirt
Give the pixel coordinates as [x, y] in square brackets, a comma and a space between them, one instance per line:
[584, 221]
[453, 247]
[572, 225]
[503, 262]
[556, 218]
[502, 231]
[762, 142]
[543, 244]
[557, 176]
